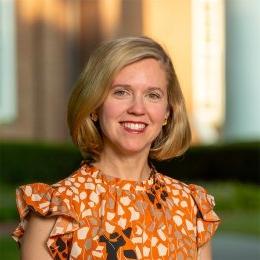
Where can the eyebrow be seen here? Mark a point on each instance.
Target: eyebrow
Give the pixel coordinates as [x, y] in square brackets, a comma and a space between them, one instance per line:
[121, 85]
[129, 87]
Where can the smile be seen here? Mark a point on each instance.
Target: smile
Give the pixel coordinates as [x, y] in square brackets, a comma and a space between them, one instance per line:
[137, 127]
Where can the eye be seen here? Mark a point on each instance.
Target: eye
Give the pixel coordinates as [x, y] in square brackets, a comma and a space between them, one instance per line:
[120, 92]
[154, 95]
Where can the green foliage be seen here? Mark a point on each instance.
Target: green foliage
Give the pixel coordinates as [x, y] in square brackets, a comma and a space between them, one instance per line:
[37, 162]
[234, 195]
[240, 221]
[8, 209]
[223, 161]
[8, 248]
[41, 162]
[238, 206]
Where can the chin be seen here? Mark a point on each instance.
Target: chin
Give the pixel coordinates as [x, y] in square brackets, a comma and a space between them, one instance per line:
[131, 150]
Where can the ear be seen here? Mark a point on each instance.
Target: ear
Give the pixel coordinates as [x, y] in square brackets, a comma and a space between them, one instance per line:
[167, 112]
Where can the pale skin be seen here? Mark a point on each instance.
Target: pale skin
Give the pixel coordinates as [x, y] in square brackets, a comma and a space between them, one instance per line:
[33, 242]
[138, 97]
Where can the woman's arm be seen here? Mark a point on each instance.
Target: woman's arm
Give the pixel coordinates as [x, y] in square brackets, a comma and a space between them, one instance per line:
[33, 242]
[205, 252]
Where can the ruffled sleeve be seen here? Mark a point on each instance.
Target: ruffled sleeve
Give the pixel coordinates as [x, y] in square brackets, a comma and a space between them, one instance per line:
[47, 201]
[207, 219]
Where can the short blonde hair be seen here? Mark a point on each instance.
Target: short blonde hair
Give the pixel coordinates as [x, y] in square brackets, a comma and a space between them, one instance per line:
[94, 83]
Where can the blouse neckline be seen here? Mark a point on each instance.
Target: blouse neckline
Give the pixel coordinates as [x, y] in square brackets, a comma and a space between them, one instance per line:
[99, 174]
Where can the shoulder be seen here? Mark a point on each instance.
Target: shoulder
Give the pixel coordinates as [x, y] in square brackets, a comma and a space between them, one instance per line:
[201, 202]
[174, 186]
[61, 198]
[196, 192]
[84, 174]
[54, 210]
[199, 195]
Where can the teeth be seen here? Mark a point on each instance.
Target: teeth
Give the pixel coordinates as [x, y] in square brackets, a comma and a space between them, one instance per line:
[134, 126]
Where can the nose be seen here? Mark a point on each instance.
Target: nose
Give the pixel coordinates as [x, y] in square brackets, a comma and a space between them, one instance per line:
[137, 106]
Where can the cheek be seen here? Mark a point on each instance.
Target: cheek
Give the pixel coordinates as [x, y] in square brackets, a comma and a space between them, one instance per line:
[158, 114]
[108, 112]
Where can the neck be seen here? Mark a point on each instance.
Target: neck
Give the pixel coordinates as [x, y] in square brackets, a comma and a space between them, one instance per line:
[132, 167]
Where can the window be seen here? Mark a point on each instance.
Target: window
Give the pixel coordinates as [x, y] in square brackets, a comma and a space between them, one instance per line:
[7, 62]
[208, 68]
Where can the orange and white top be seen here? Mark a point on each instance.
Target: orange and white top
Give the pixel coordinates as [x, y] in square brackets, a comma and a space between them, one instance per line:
[104, 217]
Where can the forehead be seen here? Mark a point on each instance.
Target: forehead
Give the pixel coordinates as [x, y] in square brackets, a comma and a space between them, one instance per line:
[146, 71]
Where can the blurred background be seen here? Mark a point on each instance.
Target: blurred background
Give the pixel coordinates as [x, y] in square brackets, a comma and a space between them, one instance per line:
[214, 45]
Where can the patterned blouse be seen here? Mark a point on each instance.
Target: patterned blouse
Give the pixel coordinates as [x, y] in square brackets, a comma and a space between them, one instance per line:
[104, 217]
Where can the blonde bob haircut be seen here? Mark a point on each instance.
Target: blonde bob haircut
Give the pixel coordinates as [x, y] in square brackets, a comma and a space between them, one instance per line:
[92, 88]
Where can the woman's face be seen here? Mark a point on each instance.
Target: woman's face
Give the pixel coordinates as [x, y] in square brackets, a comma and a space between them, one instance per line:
[132, 114]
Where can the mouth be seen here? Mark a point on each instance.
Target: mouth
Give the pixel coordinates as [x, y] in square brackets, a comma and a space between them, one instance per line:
[134, 127]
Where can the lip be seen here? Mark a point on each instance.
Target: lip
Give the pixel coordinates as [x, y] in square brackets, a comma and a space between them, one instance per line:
[133, 122]
[126, 125]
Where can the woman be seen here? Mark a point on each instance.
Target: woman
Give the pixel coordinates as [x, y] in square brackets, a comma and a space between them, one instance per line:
[126, 108]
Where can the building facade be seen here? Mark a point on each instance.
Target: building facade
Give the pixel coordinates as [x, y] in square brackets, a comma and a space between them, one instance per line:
[46, 44]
